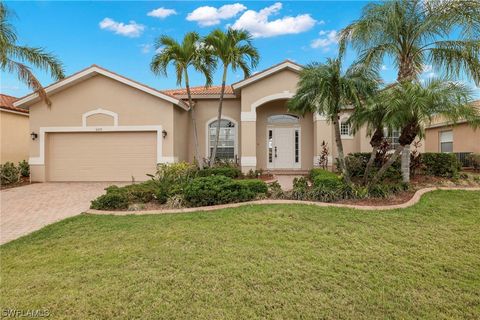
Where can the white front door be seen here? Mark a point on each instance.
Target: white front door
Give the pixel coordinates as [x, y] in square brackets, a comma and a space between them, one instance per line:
[283, 148]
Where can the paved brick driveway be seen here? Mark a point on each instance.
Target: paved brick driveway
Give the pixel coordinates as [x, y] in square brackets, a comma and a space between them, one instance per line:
[29, 208]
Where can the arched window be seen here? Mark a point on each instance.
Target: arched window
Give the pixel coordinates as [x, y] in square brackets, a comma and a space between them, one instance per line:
[283, 119]
[226, 139]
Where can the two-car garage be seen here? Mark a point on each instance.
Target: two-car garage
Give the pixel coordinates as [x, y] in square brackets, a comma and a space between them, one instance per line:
[100, 156]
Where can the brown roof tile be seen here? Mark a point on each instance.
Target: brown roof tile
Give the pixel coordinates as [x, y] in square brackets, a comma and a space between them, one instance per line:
[200, 90]
[6, 102]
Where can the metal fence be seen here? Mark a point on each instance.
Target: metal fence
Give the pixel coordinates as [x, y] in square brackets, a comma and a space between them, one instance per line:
[463, 158]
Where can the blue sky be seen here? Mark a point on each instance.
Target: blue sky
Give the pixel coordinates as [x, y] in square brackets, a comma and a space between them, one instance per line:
[120, 35]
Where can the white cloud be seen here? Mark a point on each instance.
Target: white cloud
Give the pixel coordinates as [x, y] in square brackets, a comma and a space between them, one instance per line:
[146, 47]
[384, 67]
[161, 13]
[132, 29]
[259, 26]
[208, 16]
[326, 40]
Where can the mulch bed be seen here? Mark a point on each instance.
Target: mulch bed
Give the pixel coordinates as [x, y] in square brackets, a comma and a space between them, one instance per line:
[398, 198]
[22, 182]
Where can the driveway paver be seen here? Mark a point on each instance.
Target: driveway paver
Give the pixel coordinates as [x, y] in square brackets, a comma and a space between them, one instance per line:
[29, 208]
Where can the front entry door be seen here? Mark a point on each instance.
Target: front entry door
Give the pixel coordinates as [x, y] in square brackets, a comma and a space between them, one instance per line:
[283, 148]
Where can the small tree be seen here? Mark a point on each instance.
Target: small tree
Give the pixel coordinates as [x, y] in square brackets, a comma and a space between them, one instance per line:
[190, 53]
[325, 89]
[411, 105]
[234, 49]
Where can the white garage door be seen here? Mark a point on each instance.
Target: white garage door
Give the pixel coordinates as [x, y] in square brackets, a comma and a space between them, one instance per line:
[101, 156]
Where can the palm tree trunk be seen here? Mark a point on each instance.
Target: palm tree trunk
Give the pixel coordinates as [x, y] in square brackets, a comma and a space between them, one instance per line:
[194, 122]
[370, 162]
[341, 156]
[387, 165]
[406, 164]
[219, 117]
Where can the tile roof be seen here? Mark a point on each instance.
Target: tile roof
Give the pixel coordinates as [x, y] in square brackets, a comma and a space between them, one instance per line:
[200, 90]
[6, 102]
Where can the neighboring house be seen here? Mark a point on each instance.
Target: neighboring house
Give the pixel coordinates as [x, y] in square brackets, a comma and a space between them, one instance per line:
[14, 134]
[460, 138]
[104, 127]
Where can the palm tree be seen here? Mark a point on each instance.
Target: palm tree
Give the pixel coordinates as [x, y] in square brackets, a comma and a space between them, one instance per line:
[234, 49]
[415, 33]
[373, 116]
[190, 53]
[411, 105]
[13, 57]
[325, 89]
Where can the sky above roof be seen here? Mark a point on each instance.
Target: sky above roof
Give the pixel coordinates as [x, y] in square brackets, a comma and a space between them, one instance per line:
[120, 36]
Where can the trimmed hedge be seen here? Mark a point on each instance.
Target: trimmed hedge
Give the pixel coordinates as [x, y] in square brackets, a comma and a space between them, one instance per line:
[217, 189]
[441, 164]
[357, 163]
[230, 172]
[110, 201]
[255, 185]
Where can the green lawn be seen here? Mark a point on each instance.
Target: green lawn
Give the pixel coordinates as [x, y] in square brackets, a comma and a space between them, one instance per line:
[280, 262]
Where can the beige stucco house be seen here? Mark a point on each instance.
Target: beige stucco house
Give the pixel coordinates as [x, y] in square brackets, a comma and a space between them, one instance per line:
[14, 134]
[443, 136]
[105, 127]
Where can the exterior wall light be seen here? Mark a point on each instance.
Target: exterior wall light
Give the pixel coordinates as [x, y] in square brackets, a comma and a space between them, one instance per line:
[164, 134]
[33, 135]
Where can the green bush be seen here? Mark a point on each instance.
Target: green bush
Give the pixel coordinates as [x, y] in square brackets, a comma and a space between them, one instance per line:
[9, 173]
[230, 172]
[357, 163]
[326, 179]
[110, 201]
[441, 164]
[383, 190]
[255, 185]
[24, 168]
[212, 190]
[474, 159]
[300, 189]
[275, 190]
[315, 172]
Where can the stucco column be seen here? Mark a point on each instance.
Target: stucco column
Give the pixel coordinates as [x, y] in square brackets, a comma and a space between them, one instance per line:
[322, 131]
[248, 146]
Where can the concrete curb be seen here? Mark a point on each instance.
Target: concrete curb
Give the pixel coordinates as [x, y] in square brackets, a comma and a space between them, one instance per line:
[415, 199]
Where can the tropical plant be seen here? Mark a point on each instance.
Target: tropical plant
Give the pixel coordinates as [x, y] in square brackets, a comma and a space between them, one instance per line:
[325, 89]
[235, 50]
[415, 33]
[14, 58]
[190, 53]
[372, 115]
[411, 105]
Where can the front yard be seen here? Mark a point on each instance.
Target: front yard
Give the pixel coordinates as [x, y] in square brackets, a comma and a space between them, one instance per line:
[281, 261]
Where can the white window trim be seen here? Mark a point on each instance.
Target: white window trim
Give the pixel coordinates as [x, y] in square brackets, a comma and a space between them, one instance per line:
[40, 160]
[112, 114]
[345, 136]
[207, 138]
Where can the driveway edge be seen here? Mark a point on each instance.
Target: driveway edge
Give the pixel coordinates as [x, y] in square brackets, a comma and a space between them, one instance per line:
[414, 200]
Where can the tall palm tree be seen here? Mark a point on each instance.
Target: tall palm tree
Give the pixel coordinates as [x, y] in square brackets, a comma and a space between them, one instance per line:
[416, 33]
[14, 57]
[325, 89]
[190, 53]
[411, 105]
[234, 49]
[372, 115]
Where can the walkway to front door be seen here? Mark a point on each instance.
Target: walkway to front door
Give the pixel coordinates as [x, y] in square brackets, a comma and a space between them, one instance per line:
[283, 147]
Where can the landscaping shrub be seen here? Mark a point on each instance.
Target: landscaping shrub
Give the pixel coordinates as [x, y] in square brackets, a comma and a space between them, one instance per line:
[230, 172]
[300, 189]
[275, 190]
[320, 172]
[9, 173]
[212, 190]
[441, 164]
[255, 185]
[110, 201]
[325, 179]
[173, 177]
[383, 190]
[24, 168]
[474, 159]
[357, 162]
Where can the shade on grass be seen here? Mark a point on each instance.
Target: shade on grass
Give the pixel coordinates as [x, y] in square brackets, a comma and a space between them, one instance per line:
[272, 261]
